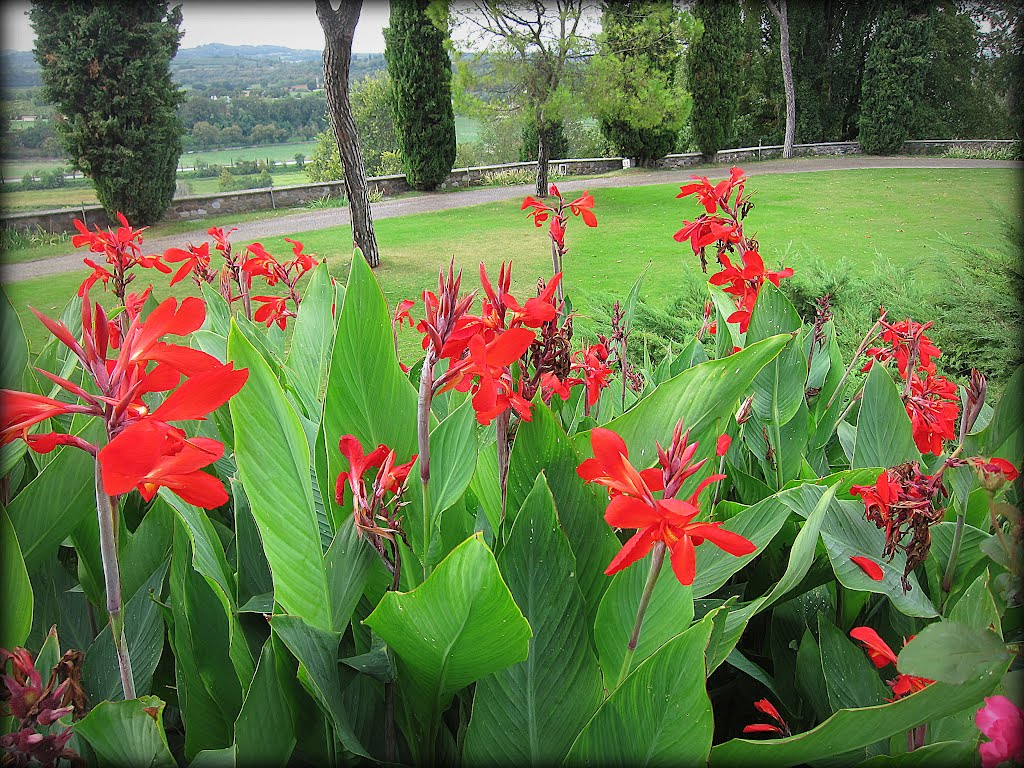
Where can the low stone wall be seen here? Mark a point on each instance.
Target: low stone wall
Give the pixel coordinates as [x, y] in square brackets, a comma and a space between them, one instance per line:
[201, 206]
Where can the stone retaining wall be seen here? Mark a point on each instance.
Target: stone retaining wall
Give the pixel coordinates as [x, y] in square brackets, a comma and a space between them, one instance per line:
[201, 206]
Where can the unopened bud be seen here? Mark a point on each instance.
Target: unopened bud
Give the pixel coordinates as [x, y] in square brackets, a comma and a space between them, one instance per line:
[743, 414]
[976, 389]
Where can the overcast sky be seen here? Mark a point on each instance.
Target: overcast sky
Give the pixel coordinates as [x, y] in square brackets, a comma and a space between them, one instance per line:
[291, 23]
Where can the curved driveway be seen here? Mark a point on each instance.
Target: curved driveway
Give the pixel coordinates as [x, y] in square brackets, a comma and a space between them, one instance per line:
[309, 220]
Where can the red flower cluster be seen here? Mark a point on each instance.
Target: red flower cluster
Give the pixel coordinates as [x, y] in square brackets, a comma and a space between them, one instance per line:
[1002, 722]
[144, 451]
[122, 250]
[765, 707]
[492, 341]
[881, 656]
[196, 263]
[592, 362]
[931, 401]
[35, 706]
[582, 206]
[722, 224]
[745, 284]
[904, 501]
[668, 519]
[898, 343]
[261, 264]
[373, 515]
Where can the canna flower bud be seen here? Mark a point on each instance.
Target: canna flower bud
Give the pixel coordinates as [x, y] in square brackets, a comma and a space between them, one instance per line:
[743, 414]
[976, 389]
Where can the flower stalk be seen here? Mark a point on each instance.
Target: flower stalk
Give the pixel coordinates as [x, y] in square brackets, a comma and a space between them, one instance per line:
[657, 560]
[424, 402]
[105, 513]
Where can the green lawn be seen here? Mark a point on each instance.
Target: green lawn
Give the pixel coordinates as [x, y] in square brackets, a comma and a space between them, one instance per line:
[832, 218]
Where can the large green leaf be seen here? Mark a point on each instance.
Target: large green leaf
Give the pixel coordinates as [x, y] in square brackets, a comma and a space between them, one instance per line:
[851, 680]
[265, 728]
[854, 729]
[274, 464]
[801, 557]
[453, 452]
[660, 715]
[368, 395]
[68, 476]
[530, 713]
[976, 607]
[952, 653]
[16, 605]
[309, 358]
[208, 687]
[317, 652]
[846, 534]
[705, 397]
[884, 434]
[458, 626]
[779, 386]
[669, 613]
[14, 354]
[1004, 435]
[144, 632]
[542, 445]
[759, 523]
[127, 733]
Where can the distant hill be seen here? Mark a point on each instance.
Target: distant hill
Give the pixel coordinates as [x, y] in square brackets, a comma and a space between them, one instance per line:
[216, 65]
[220, 50]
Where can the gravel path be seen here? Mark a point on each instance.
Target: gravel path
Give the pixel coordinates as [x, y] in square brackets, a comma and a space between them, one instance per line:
[306, 221]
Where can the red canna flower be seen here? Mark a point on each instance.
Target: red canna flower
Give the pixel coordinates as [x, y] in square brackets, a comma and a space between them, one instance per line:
[724, 441]
[583, 206]
[220, 237]
[933, 407]
[402, 312]
[592, 362]
[21, 410]
[900, 341]
[881, 656]
[488, 363]
[262, 264]
[551, 385]
[539, 211]
[745, 284]
[34, 706]
[302, 262]
[869, 566]
[878, 650]
[765, 707]
[706, 230]
[150, 454]
[98, 274]
[713, 196]
[669, 520]
[196, 262]
[274, 310]
[375, 515]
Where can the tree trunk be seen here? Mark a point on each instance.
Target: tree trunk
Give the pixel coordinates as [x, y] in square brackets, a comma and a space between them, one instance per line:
[339, 27]
[779, 10]
[543, 156]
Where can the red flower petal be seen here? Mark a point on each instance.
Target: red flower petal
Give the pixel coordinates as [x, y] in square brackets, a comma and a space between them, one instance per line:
[634, 549]
[869, 566]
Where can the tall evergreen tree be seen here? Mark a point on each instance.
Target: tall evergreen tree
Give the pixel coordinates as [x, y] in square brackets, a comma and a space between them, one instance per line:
[894, 77]
[105, 67]
[714, 74]
[639, 102]
[421, 77]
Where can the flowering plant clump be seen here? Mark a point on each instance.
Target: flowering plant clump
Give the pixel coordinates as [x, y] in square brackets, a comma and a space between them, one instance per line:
[336, 555]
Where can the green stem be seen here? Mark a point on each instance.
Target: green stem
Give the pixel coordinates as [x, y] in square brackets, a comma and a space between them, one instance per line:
[426, 396]
[112, 582]
[958, 534]
[652, 578]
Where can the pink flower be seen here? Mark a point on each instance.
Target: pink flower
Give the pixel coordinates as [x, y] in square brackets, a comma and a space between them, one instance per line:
[1002, 722]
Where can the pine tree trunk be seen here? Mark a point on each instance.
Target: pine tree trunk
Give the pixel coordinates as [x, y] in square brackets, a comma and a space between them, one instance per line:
[543, 156]
[339, 27]
[781, 15]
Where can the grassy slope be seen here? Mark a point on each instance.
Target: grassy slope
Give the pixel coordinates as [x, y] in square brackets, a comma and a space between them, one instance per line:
[851, 216]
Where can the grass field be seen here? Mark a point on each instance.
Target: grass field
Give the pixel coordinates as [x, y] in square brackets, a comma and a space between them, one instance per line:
[850, 219]
[276, 152]
[466, 129]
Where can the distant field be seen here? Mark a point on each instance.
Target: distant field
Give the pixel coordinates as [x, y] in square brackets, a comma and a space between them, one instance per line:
[13, 170]
[466, 129]
[277, 153]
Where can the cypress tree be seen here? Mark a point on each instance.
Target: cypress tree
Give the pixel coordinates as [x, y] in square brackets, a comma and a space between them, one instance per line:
[894, 77]
[713, 65]
[421, 78]
[105, 67]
